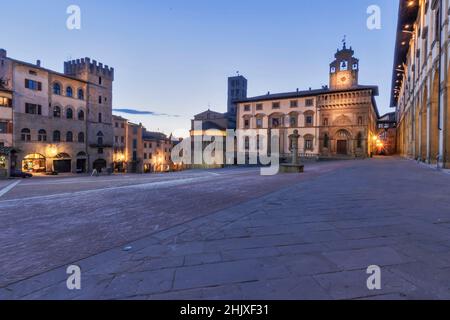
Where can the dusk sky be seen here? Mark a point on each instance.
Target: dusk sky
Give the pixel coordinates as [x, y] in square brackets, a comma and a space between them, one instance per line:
[172, 57]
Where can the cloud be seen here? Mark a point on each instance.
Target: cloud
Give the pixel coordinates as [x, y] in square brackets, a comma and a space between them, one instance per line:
[145, 113]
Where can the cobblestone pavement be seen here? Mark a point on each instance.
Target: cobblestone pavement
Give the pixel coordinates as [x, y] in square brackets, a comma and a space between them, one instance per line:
[232, 234]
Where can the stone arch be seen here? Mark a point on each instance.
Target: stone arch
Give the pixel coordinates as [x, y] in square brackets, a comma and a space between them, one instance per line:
[423, 125]
[343, 142]
[417, 128]
[447, 122]
[434, 120]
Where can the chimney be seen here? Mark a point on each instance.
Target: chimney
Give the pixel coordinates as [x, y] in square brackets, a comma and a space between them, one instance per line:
[3, 53]
[38, 63]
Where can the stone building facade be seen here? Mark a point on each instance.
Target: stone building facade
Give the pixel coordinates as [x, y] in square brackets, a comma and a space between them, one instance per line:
[157, 152]
[62, 121]
[338, 120]
[6, 129]
[137, 150]
[420, 81]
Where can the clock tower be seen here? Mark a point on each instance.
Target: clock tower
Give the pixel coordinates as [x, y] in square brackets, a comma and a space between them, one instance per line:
[344, 69]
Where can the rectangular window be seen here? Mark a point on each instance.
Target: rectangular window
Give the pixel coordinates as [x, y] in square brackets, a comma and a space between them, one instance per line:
[134, 155]
[247, 124]
[33, 108]
[99, 99]
[309, 120]
[33, 85]
[247, 108]
[259, 123]
[3, 127]
[122, 139]
[308, 145]
[145, 156]
[294, 103]
[116, 138]
[309, 102]
[276, 105]
[5, 102]
[134, 143]
[259, 106]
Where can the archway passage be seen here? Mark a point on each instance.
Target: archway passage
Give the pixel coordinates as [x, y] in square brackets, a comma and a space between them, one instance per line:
[62, 163]
[34, 162]
[100, 165]
[434, 121]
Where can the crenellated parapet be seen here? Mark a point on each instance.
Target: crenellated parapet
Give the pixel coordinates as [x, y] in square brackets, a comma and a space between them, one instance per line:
[79, 66]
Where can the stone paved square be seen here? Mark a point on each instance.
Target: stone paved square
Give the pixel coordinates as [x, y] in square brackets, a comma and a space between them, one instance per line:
[243, 236]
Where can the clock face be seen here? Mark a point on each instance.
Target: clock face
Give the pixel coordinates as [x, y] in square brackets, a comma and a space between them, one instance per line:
[355, 66]
[344, 65]
[333, 69]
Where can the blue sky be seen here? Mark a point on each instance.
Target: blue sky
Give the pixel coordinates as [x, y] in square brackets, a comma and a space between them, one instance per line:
[173, 57]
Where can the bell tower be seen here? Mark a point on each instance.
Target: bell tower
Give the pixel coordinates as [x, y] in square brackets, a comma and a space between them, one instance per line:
[344, 69]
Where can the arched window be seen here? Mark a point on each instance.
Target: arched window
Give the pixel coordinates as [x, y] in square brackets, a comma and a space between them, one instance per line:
[25, 135]
[81, 115]
[100, 138]
[326, 140]
[69, 113]
[309, 140]
[56, 136]
[69, 92]
[309, 119]
[69, 136]
[293, 120]
[42, 135]
[81, 137]
[80, 94]
[359, 140]
[57, 88]
[56, 112]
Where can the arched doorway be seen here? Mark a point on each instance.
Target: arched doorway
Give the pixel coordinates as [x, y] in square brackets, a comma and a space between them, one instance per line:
[342, 138]
[34, 162]
[81, 162]
[100, 165]
[62, 163]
